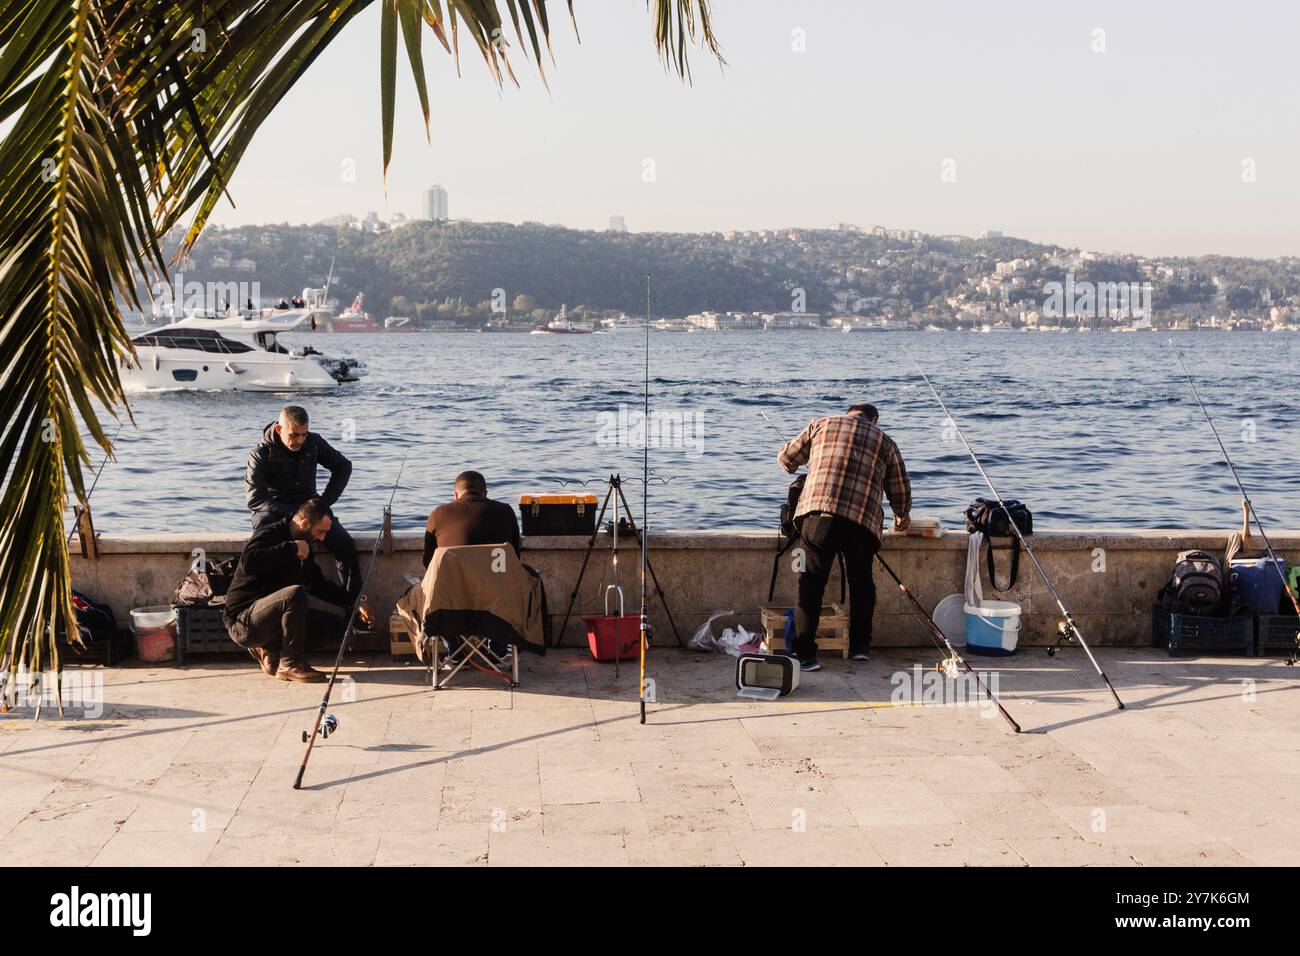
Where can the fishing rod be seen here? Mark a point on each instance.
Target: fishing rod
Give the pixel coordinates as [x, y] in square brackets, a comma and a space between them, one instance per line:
[953, 657]
[773, 424]
[645, 501]
[95, 483]
[1068, 630]
[1250, 508]
[329, 721]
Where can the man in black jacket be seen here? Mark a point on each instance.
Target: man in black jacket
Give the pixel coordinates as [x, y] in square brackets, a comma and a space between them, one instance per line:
[266, 604]
[281, 476]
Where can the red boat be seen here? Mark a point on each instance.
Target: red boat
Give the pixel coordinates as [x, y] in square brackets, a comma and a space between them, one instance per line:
[352, 319]
[562, 325]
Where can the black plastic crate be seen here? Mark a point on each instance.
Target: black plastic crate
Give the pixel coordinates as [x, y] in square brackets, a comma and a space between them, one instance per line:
[200, 630]
[1187, 635]
[1275, 633]
[106, 652]
[558, 514]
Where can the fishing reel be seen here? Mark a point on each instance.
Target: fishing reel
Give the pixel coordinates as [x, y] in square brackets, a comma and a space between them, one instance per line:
[949, 668]
[327, 726]
[1068, 634]
[625, 529]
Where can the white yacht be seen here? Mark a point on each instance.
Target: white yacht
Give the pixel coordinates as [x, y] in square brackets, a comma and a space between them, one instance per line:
[237, 352]
[624, 324]
[672, 325]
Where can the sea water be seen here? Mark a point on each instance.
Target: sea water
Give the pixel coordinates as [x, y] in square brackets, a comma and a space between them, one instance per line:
[1095, 430]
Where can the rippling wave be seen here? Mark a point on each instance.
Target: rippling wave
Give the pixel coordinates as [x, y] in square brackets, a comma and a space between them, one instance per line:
[1088, 430]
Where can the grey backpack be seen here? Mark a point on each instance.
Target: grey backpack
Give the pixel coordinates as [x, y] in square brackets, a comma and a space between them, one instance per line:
[1196, 586]
[206, 588]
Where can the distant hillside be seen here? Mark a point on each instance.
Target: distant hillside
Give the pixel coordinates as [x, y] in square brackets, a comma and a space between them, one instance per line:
[435, 270]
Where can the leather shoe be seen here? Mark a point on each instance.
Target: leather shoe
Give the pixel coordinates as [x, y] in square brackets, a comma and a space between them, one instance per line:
[300, 672]
[266, 659]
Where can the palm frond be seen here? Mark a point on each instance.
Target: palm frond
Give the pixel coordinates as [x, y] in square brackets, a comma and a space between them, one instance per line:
[121, 118]
[70, 236]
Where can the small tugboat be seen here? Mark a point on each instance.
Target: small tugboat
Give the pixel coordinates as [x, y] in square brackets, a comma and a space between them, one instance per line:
[562, 325]
[354, 318]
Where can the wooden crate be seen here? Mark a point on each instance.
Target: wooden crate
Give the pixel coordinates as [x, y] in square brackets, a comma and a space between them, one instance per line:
[832, 628]
[399, 639]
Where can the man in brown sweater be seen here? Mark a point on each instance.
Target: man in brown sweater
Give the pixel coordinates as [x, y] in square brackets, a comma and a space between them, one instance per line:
[470, 518]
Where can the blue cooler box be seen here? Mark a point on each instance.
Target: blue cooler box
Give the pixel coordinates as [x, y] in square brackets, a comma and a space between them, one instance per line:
[1257, 583]
[993, 628]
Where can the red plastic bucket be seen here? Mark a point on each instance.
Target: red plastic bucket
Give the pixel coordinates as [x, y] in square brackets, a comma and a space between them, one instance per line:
[155, 633]
[610, 635]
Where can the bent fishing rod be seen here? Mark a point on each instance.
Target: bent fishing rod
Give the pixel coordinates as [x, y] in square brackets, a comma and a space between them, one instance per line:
[935, 630]
[1068, 629]
[99, 471]
[1250, 508]
[321, 716]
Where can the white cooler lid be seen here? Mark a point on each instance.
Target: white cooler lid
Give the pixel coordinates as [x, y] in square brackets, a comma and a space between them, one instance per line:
[950, 617]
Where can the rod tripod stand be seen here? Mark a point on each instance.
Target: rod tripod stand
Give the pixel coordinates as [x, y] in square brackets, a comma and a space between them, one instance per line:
[615, 487]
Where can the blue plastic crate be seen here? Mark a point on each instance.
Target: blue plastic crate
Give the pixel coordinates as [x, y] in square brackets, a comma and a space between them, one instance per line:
[1189, 635]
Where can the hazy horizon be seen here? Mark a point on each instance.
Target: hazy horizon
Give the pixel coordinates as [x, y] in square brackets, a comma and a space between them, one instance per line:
[950, 119]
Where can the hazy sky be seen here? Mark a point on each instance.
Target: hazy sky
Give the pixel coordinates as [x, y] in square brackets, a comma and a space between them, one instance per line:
[1143, 147]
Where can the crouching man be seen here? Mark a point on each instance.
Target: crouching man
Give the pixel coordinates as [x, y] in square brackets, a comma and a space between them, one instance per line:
[266, 605]
[281, 475]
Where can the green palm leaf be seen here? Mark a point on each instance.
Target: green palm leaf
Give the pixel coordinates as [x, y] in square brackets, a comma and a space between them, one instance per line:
[121, 118]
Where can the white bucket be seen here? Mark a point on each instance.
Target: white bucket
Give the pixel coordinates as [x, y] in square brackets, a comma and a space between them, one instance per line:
[949, 616]
[992, 628]
[145, 620]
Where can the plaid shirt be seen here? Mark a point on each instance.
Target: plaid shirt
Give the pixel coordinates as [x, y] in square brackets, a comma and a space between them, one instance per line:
[852, 465]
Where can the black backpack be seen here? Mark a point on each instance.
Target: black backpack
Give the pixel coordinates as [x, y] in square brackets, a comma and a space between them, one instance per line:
[95, 621]
[789, 531]
[789, 534]
[208, 587]
[989, 518]
[1196, 586]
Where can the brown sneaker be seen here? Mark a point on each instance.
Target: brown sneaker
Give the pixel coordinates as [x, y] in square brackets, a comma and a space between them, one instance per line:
[299, 671]
[266, 659]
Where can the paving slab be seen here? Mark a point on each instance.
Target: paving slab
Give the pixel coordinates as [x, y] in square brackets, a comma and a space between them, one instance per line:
[190, 766]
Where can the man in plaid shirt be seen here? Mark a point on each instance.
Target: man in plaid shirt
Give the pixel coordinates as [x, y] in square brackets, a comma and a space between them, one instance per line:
[852, 466]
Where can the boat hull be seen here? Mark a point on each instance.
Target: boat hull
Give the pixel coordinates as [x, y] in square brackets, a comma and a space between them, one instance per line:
[183, 369]
[349, 325]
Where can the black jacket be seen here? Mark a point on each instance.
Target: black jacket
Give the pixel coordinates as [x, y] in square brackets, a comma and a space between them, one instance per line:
[270, 562]
[281, 480]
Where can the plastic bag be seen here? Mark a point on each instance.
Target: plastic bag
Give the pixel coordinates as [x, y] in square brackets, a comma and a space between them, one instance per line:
[703, 639]
[733, 639]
